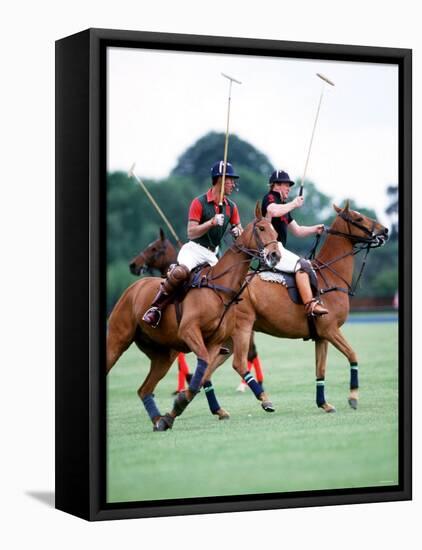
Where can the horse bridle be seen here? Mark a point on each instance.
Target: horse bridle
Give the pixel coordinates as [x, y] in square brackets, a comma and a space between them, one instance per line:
[160, 252]
[373, 241]
[256, 253]
[235, 295]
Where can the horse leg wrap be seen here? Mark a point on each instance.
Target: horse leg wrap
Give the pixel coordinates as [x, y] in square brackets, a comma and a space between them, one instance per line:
[180, 403]
[213, 404]
[354, 376]
[150, 406]
[195, 383]
[253, 384]
[320, 392]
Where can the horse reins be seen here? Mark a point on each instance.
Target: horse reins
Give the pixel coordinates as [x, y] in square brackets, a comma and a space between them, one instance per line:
[367, 243]
[252, 253]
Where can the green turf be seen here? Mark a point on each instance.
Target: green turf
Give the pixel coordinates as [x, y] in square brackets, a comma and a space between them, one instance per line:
[297, 448]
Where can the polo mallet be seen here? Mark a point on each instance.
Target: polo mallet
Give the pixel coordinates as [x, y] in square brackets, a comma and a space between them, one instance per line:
[325, 81]
[226, 142]
[131, 174]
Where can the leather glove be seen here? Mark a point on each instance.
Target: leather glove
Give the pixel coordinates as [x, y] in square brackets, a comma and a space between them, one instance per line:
[235, 231]
[218, 219]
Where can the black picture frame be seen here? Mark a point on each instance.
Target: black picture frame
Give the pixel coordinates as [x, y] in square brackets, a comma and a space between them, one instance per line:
[80, 260]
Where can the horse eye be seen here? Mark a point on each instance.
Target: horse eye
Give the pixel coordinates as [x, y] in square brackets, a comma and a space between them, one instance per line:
[153, 249]
[360, 219]
[261, 228]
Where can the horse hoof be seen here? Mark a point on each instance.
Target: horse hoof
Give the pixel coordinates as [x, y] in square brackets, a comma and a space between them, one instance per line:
[353, 403]
[165, 423]
[326, 407]
[222, 414]
[268, 406]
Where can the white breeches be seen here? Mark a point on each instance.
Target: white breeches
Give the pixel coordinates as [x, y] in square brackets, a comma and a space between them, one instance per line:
[289, 262]
[192, 254]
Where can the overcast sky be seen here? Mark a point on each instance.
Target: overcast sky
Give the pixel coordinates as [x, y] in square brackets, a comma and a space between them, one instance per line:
[160, 103]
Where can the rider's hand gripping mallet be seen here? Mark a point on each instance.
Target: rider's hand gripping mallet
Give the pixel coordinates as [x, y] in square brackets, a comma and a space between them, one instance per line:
[226, 142]
[325, 81]
[131, 174]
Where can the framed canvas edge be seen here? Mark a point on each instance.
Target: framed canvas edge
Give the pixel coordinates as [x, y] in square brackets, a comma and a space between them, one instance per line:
[99, 39]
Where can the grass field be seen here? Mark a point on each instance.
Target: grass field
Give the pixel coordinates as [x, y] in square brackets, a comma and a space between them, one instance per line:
[297, 448]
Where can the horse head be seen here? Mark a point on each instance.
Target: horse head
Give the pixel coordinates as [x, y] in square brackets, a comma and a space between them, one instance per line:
[157, 255]
[259, 239]
[358, 228]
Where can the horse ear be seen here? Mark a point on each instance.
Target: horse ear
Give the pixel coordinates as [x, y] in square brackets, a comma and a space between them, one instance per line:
[258, 211]
[347, 205]
[162, 236]
[337, 209]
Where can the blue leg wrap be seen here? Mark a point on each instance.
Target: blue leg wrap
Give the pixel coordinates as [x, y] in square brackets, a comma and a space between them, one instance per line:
[213, 404]
[253, 384]
[320, 391]
[354, 376]
[150, 406]
[195, 383]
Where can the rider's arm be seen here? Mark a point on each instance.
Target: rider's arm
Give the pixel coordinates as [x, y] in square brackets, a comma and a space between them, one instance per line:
[278, 210]
[196, 230]
[236, 226]
[304, 230]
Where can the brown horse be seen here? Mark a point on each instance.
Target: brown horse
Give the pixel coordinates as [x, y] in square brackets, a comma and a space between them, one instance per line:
[159, 255]
[207, 321]
[266, 307]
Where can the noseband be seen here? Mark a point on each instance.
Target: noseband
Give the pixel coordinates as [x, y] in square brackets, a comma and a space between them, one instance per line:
[260, 244]
[256, 253]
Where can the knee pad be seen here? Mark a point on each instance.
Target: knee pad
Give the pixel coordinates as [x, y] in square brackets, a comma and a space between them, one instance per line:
[176, 277]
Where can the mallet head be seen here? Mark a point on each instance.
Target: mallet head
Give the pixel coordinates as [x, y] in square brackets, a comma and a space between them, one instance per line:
[325, 79]
[231, 78]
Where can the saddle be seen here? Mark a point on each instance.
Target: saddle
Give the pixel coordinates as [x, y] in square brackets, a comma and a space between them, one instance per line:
[198, 278]
[288, 280]
[195, 280]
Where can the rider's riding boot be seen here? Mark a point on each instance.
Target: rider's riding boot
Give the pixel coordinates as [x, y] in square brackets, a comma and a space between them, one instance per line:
[175, 278]
[312, 305]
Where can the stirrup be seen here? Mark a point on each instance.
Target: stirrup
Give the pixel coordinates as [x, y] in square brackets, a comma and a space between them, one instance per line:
[152, 311]
[310, 308]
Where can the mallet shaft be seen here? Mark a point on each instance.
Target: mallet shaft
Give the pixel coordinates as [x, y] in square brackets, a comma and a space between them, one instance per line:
[325, 81]
[310, 144]
[226, 141]
[131, 174]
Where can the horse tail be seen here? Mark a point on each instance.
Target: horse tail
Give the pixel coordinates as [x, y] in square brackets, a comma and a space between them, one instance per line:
[123, 321]
[121, 326]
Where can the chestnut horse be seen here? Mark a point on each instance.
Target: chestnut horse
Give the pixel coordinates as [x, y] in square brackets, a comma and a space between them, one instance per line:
[266, 306]
[159, 255]
[207, 320]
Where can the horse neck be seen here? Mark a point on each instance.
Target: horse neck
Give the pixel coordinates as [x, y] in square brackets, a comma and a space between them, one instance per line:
[338, 248]
[233, 267]
[170, 258]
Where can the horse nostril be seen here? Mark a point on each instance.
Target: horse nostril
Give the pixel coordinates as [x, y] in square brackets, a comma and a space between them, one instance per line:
[386, 230]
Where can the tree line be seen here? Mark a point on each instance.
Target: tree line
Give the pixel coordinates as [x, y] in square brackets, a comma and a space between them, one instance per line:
[132, 221]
